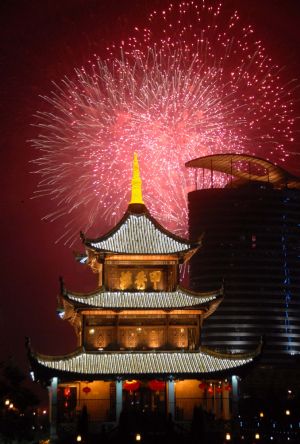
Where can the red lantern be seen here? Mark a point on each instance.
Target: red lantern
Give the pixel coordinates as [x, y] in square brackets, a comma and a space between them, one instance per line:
[131, 386]
[156, 386]
[67, 392]
[219, 389]
[202, 386]
[86, 390]
[228, 387]
[210, 389]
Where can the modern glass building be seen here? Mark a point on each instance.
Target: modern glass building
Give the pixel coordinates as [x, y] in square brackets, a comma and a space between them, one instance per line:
[252, 245]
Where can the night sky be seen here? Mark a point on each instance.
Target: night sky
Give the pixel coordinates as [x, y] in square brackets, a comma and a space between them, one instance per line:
[41, 42]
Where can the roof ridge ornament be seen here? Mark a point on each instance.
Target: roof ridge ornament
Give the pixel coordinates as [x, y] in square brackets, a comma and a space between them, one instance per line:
[136, 183]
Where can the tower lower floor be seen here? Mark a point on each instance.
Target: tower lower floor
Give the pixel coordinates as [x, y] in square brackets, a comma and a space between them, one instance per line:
[77, 405]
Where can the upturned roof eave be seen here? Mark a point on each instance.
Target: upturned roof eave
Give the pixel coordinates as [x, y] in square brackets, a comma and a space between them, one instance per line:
[246, 355]
[187, 291]
[76, 300]
[44, 372]
[88, 241]
[201, 308]
[203, 350]
[213, 306]
[143, 212]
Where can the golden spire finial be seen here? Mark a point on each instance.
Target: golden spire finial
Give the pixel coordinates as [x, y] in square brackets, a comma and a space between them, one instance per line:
[136, 183]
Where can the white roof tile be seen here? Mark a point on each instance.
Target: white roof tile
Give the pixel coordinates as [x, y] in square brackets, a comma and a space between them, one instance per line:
[124, 363]
[140, 299]
[139, 235]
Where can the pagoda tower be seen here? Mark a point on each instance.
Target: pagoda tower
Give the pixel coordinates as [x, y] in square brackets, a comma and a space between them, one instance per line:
[138, 333]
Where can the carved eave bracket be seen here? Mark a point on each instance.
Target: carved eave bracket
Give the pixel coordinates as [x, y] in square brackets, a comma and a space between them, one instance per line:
[73, 317]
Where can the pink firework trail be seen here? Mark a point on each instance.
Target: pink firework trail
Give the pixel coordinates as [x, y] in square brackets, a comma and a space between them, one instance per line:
[202, 85]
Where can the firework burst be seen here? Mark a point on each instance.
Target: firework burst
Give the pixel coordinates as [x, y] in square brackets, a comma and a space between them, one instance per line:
[201, 85]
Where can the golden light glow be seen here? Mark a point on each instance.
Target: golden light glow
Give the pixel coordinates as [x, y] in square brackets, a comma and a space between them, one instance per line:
[257, 436]
[261, 415]
[78, 438]
[228, 437]
[91, 331]
[138, 437]
[155, 338]
[136, 183]
[147, 258]
[140, 312]
[125, 280]
[140, 280]
[287, 412]
[155, 278]
[135, 278]
[7, 402]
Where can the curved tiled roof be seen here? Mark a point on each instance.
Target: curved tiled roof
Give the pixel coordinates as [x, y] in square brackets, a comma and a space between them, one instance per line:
[140, 299]
[139, 234]
[143, 363]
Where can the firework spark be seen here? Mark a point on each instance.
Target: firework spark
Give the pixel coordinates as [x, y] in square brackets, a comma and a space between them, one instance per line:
[202, 85]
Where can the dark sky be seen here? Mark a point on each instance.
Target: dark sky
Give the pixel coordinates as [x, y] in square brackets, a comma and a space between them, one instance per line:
[42, 41]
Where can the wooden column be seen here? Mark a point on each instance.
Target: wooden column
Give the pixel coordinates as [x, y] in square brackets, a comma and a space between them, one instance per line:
[209, 400]
[218, 403]
[225, 403]
[117, 331]
[199, 328]
[82, 336]
[53, 409]
[100, 277]
[167, 328]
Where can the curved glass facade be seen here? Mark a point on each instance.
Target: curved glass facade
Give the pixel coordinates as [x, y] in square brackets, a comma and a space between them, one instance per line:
[252, 241]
